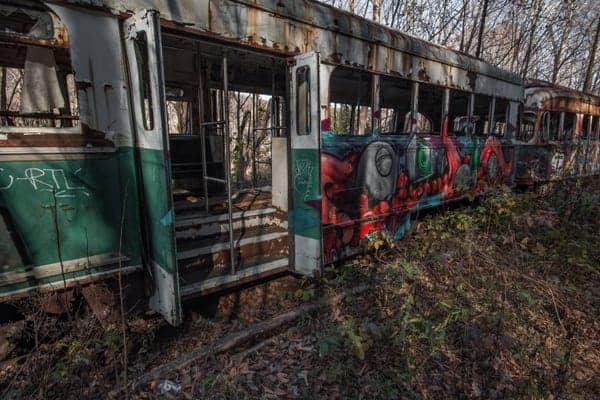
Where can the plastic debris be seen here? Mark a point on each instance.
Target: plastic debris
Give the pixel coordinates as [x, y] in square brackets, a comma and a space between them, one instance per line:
[168, 387]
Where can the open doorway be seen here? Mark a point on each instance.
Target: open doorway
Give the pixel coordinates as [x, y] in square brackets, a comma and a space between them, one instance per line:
[197, 112]
[225, 111]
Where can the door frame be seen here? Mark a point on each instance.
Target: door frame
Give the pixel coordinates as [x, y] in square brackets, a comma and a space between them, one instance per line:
[141, 33]
[304, 216]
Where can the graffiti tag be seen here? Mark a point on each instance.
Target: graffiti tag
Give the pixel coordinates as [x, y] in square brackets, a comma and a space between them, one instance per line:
[303, 176]
[43, 180]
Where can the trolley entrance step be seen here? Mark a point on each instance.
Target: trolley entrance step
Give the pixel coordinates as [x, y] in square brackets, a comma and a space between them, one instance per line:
[198, 225]
[217, 282]
[203, 248]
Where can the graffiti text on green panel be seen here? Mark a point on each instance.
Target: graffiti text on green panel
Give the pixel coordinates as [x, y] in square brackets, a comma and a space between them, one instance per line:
[71, 208]
[305, 215]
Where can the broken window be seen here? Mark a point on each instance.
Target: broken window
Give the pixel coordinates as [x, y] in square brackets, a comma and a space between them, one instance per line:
[595, 123]
[501, 111]
[458, 113]
[350, 102]
[527, 127]
[387, 118]
[429, 117]
[569, 123]
[303, 100]
[395, 102]
[585, 126]
[550, 127]
[179, 112]
[141, 55]
[37, 86]
[481, 115]
[35, 91]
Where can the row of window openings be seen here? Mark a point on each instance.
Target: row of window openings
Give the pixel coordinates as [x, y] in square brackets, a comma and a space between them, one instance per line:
[557, 126]
[351, 110]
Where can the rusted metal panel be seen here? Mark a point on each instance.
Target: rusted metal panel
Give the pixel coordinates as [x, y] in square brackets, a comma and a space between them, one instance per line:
[98, 62]
[46, 28]
[544, 96]
[302, 26]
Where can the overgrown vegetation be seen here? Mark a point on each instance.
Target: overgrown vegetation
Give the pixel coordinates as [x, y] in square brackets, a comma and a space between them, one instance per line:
[494, 300]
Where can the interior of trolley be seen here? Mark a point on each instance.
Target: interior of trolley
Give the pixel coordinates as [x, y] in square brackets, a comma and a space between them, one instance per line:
[214, 92]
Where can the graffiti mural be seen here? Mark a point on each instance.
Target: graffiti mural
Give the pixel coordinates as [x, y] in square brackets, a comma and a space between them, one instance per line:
[593, 157]
[545, 162]
[373, 183]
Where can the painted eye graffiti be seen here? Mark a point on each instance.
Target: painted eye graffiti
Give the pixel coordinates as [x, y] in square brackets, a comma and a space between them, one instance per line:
[384, 161]
[377, 171]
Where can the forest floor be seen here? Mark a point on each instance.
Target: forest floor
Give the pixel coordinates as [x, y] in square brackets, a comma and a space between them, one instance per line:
[497, 299]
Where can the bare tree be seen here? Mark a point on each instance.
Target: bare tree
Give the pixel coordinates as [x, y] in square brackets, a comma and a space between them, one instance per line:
[554, 40]
[481, 28]
[587, 81]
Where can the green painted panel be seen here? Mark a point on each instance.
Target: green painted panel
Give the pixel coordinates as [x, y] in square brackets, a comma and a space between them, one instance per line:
[305, 217]
[72, 209]
[158, 208]
[58, 279]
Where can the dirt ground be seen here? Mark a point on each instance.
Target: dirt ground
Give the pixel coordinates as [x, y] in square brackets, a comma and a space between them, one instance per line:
[496, 299]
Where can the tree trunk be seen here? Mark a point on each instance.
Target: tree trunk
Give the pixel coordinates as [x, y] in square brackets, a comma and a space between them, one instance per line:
[537, 8]
[587, 81]
[377, 10]
[481, 29]
[558, 56]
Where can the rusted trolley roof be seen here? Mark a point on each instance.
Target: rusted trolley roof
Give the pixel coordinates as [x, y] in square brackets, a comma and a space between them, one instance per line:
[540, 95]
[299, 26]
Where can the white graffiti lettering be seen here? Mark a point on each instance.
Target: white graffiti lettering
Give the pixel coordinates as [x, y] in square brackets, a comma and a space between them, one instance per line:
[11, 180]
[44, 180]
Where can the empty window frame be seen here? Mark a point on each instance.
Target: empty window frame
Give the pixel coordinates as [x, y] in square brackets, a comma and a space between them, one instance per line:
[350, 106]
[145, 90]
[395, 102]
[501, 111]
[550, 125]
[527, 127]
[179, 112]
[430, 109]
[595, 127]
[303, 101]
[569, 125]
[482, 110]
[585, 125]
[387, 118]
[37, 88]
[458, 112]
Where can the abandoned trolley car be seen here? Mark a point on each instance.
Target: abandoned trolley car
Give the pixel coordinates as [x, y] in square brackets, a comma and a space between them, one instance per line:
[195, 145]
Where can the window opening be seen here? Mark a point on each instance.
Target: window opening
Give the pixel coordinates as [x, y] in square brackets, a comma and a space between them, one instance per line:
[141, 55]
[585, 126]
[395, 103]
[179, 112]
[501, 111]
[569, 123]
[527, 127]
[350, 102]
[458, 113]
[303, 100]
[550, 125]
[595, 127]
[430, 109]
[37, 88]
[481, 115]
